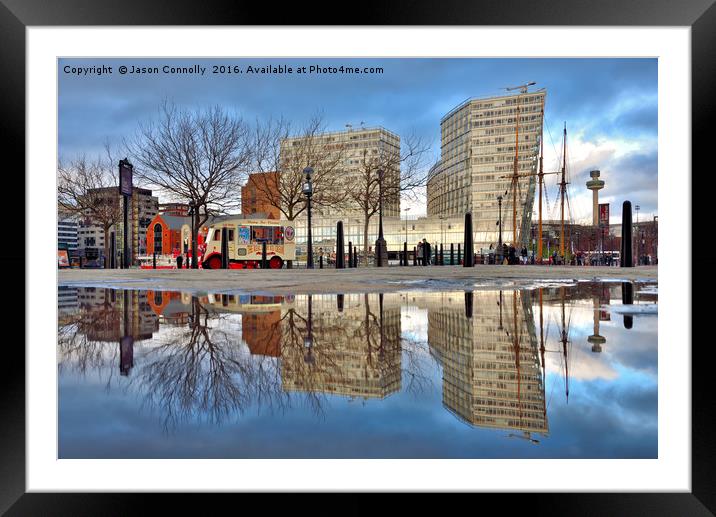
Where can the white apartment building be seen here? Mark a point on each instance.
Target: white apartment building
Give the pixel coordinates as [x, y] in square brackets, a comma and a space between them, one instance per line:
[353, 146]
[477, 158]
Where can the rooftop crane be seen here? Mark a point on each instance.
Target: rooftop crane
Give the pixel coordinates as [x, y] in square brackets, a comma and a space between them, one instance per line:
[522, 88]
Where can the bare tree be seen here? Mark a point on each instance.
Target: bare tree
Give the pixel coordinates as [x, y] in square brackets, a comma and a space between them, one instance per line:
[89, 189]
[391, 174]
[200, 157]
[278, 148]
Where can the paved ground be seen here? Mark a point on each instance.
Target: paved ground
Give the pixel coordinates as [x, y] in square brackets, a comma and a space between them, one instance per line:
[302, 281]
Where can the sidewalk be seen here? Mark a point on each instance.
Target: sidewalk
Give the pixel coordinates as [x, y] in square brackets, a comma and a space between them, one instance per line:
[370, 279]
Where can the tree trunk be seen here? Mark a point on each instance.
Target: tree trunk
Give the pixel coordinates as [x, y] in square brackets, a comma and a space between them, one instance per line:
[365, 240]
[194, 238]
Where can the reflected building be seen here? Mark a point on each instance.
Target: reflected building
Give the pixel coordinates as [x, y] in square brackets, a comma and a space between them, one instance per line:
[490, 361]
[355, 352]
[102, 314]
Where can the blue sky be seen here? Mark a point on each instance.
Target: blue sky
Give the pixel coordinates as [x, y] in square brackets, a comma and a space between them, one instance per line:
[609, 105]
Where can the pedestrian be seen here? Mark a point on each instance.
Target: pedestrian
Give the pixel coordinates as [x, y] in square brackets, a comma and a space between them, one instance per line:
[524, 255]
[419, 252]
[427, 252]
[179, 261]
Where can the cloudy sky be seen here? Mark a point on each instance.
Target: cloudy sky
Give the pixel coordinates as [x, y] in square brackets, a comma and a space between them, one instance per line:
[609, 105]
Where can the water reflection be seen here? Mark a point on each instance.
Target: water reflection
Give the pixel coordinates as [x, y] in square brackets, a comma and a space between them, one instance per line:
[494, 358]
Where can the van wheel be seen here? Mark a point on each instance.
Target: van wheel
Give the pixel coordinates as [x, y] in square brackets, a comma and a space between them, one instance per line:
[213, 263]
[275, 263]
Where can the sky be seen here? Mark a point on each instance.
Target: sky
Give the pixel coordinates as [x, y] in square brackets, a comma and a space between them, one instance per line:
[610, 107]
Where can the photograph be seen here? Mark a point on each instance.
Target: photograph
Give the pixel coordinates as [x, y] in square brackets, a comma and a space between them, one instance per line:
[420, 254]
[461, 258]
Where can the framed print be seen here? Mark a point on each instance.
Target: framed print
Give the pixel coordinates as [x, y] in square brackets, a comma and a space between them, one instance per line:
[526, 156]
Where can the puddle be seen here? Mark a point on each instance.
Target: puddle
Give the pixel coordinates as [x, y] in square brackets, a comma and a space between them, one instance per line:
[549, 371]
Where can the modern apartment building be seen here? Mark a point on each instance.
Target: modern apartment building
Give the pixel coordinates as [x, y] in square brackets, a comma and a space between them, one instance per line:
[477, 157]
[353, 148]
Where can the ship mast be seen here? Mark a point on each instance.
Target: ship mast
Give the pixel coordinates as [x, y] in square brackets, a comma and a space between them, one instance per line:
[541, 182]
[562, 190]
[515, 174]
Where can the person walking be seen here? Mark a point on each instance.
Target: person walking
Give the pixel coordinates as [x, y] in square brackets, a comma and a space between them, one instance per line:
[426, 252]
[419, 252]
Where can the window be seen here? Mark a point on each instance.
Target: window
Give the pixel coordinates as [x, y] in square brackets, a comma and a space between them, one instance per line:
[267, 234]
[158, 238]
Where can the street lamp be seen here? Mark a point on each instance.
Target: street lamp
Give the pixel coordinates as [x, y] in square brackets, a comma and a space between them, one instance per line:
[308, 192]
[405, 248]
[638, 258]
[406, 224]
[499, 223]
[380, 247]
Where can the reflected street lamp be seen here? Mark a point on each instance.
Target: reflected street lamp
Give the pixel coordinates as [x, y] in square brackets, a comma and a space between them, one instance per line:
[308, 192]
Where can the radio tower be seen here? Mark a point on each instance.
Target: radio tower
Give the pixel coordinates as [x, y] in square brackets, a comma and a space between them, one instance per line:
[595, 185]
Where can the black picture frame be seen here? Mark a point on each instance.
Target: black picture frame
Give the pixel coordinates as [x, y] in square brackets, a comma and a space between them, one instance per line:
[17, 15]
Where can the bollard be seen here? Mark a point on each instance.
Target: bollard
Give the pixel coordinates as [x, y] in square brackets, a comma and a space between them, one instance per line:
[224, 249]
[458, 253]
[355, 256]
[469, 253]
[468, 304]
[626, 254]
[452, 254]
[339, 302]
[405, 253]
[340, 248]
[112, 252]
[442, 255]
[264, 264]
[350, 254]
[415, 256]
[154, 260]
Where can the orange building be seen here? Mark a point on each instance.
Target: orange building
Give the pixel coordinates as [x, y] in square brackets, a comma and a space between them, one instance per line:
[169, 235]
[253, 200]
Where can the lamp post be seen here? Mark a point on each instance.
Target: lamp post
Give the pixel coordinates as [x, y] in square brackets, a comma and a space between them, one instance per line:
[638, 257]
[405, 248]
[380, 247]
[499, 223]
[308, 192]
[406, 224]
